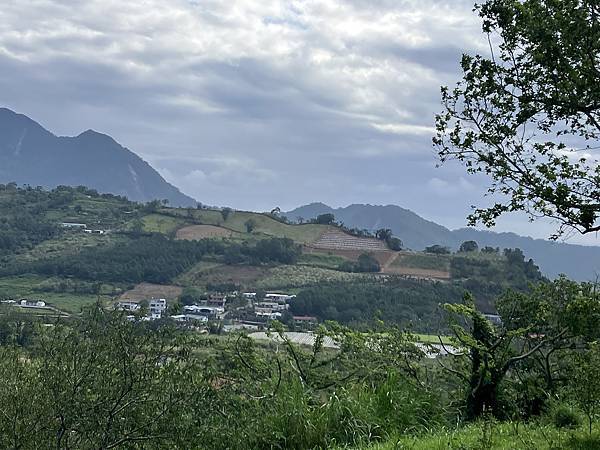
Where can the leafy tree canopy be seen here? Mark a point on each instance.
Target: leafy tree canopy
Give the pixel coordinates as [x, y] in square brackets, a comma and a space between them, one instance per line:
[528, 116]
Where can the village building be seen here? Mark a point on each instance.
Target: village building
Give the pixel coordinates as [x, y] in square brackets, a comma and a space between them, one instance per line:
[273, 306]
[127, 305]
[73, 225]
[279, 298]
[304, 321]
[157, 307]
[211, 312]
[32, 303]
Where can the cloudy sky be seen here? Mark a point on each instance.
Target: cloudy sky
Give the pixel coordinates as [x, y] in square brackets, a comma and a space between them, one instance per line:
[256, 103]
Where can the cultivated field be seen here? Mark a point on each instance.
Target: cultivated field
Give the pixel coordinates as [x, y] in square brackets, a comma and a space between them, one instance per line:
[384, 257]
[334, 239]
[286, 277]
[416, 265]
[245, 276]
[145, 291]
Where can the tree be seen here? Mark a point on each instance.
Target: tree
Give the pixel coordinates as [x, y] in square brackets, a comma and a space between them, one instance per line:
[100, 382]
[250, 225]
[437, 249]
[394, 243]
[189, 296]
[383, 234]
[584, 385]
[528, 116]
[325, 219]
[490, 250]
[366, 263]
[468, 247]
[536, 326]
[225, 213]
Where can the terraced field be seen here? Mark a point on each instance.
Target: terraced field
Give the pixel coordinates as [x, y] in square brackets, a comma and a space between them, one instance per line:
[333, 239]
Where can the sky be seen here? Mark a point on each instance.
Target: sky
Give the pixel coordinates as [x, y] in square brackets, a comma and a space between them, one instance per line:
[258, 103]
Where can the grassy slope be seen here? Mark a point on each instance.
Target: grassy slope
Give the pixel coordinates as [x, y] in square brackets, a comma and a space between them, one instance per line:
[26, 287]
[264, 225]
[112, 213]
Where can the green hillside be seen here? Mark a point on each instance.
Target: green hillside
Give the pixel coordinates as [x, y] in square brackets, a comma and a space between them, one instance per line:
[129, 243]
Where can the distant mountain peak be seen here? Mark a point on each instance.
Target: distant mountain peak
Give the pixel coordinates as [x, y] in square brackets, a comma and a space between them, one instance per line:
[30, 154]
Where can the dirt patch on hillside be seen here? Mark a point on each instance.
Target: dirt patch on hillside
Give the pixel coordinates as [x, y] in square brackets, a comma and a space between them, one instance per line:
[197, 232]
[145, 291]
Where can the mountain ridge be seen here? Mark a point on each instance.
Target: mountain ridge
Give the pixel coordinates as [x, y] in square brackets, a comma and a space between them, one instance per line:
[30, 154]
[554, 258]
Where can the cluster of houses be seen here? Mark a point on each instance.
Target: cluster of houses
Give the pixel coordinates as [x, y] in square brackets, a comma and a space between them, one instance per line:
[213, 308]
[82, 227]
[273, 307]
[157, 308]
[255, 314]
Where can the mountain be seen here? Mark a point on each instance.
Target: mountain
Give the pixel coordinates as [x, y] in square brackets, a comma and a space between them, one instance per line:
[29, 154]
[576, 261]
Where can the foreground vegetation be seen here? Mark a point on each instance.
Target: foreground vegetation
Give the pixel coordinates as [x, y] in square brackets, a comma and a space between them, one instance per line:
[497, 436]
[103, 381]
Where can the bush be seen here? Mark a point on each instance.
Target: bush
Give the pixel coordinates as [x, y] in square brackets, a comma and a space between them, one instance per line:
[563, 416]
[365, 264]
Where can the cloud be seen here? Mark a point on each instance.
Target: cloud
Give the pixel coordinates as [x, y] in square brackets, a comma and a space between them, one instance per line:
[253, 103]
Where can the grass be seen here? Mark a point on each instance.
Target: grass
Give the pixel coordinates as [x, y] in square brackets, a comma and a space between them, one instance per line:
[101, 213]
[26, 287]
[490, 436]
[432, 339]
[196, 273]
[158, 223]
[264, 224]
[423, 261]
[321, 260]
[71, 242]
[297, 276]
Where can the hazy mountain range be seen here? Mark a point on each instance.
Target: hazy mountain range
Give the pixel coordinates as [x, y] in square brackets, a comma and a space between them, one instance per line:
[576, 261]
[29, 154]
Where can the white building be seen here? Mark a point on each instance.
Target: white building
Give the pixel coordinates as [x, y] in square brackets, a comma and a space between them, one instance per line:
[157, 306]
[213, 312]
[32, 304]
[280, 298]
[74, 225]
[127, 305]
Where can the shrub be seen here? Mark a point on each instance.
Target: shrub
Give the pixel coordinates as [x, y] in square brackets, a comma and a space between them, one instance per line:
[563, 416]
